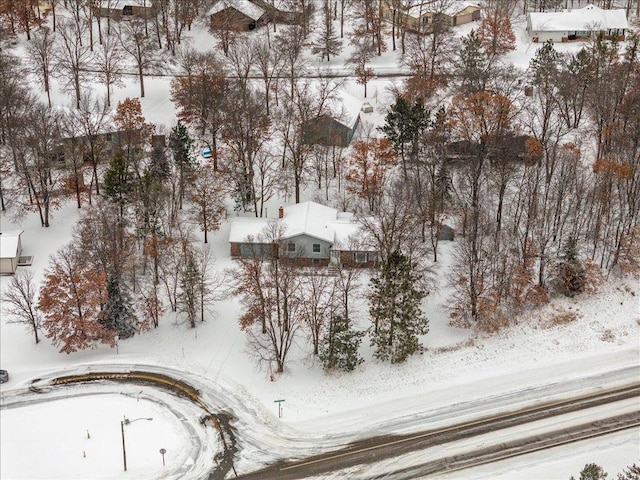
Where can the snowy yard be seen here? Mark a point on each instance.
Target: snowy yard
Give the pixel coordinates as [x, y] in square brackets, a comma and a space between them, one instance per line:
[461, 374]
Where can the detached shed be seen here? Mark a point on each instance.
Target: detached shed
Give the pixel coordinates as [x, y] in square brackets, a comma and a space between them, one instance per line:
[10, 251]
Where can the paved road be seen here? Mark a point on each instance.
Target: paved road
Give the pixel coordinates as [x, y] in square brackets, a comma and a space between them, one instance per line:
[385, 447]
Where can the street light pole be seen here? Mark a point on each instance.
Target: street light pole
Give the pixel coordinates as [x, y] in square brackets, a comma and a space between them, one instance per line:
[124, 450]
[124, 422]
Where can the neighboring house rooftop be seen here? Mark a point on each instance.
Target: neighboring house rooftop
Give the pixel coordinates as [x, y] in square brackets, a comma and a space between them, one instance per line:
[579, 19]
[251, 10]
[120, 4]
[346, 109]
[9, 241]
[450, 9]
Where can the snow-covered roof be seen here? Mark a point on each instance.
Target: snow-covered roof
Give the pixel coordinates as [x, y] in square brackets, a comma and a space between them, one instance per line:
[9, 243]
[245, 228]
[579, 19]
[306, 218]
[450, 9]
[345, 108]
[251, 10]
[120, 4]
[347, 231]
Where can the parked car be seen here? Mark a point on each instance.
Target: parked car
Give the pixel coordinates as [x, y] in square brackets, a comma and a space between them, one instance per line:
[206, 152]
[4, 376]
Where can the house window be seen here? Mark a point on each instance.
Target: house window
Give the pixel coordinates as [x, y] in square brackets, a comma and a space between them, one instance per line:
[360, 257]
[291, 247]
[255, 250]
[316, 248]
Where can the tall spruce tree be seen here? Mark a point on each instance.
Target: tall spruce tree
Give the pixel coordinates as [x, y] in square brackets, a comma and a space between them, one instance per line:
[181, 144]
[630, 473]
[394, 306]
[118, 314]
[190, 286]
[405, 126]
[473, 70]
[571, 273]
[118, 182]
[330, 43]
[592, 471]
[340, 347]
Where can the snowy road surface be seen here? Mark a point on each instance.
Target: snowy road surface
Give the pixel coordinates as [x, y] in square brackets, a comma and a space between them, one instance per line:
[192, 447]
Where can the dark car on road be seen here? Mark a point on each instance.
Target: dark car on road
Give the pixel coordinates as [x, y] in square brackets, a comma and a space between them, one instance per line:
[4, 376]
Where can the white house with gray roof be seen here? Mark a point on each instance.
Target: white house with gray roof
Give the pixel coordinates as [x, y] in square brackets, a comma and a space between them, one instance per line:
[576, 24]
[309, 233]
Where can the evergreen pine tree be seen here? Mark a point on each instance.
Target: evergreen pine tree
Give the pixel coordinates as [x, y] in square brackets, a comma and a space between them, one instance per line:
[592, 471]
[443, 182]
[395, 309]
[118, 183]
[159, 166]
[190, 289]
[571, 273]
[330, 43]
[117, 313]
[181, 144]
[405, 126]
[544, 65]
[340, 347]
[473, 69]
[630, 473]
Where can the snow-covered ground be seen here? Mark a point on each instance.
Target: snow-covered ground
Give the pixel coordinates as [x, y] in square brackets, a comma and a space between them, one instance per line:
[462, 374]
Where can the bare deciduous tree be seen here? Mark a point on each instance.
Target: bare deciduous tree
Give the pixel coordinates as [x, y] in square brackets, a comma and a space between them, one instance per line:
[270, 290]
[72, 58]
[136, 43]
[109, 59]
[41, 57]
[20, 303]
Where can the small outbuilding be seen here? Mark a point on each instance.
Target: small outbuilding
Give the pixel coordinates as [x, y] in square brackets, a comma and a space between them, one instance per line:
[10, 251]
[238, 15]
[577, 24]
[337, 127]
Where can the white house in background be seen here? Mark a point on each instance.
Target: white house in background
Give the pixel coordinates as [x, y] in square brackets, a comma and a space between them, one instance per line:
[314, 235]
[577, 23]
[10, 251]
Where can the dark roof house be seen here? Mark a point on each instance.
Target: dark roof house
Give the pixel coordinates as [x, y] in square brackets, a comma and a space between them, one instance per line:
[238, 15]
[122, 9]
[336, 128]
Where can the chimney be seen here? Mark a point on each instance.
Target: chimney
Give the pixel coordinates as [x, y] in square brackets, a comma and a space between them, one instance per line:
[280, 212]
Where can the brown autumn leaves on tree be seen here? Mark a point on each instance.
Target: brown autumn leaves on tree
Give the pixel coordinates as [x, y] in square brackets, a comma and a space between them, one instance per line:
[22, 15]
[496, 34]
[70, 300]
[367, 165]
